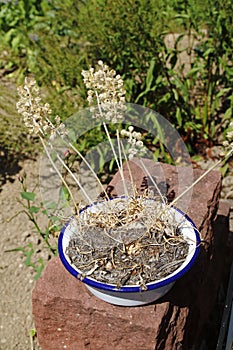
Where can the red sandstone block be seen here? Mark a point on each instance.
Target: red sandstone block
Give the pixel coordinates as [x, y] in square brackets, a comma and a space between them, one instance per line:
[68, 317]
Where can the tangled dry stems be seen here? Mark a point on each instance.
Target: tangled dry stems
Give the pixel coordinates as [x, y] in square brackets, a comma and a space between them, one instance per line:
[128, 242]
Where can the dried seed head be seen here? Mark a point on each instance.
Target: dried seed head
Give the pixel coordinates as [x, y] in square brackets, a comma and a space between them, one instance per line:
[105, 90]
[35, 114]
[134, 139]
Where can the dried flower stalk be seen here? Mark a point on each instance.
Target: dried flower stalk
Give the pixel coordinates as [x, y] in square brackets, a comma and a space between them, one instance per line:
[122, 254]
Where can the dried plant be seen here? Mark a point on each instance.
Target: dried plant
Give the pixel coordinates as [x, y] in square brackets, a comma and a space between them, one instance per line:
[129, 240]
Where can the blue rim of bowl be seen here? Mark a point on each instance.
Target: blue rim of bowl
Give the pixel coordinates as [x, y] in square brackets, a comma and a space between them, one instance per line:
[130, 288]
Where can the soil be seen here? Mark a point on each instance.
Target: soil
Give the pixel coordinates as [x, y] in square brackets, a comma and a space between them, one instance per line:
[16, 279]
[125, 251]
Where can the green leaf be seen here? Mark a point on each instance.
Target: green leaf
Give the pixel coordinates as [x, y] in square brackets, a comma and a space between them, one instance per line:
[176, 96]
[29, 196]
[28, 255]
[208, 52]
[178, 116]
[48, 206]
[156, 155]
[39, 268]
[19, 249]
[182, 16]
[165, 98]
[197, 158]
[111, 165]
[223, 91]
[224, 169]
[47, 231]
[150, 76]
[16, 42]
[32, 332]
[53, 218]
[193, 71]
[149, 81]
[34, 210]
[64, 193]
[101, 159]
[227, 114]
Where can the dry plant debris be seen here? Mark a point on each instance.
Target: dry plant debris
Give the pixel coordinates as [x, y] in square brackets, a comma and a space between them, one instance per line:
[127, 242]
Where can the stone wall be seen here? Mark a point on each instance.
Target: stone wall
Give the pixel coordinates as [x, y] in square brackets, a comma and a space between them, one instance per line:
[67, 316]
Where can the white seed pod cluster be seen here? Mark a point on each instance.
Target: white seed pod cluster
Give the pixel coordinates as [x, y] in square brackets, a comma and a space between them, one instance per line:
[106, 91]
[135, 141]
[35, 114]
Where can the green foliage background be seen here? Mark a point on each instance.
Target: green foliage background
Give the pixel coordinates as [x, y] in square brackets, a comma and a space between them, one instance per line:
[55, 40]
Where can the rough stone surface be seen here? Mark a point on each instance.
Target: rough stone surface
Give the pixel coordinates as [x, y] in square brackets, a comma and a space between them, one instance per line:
[67, 316]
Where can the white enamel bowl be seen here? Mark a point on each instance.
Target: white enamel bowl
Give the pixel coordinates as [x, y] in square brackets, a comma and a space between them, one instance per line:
[131, 295]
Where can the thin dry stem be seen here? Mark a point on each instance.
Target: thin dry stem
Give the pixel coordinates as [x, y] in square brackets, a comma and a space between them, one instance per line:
[90, 168]
[60, 175]
[153, 182]
[201, 177]
[75, 179]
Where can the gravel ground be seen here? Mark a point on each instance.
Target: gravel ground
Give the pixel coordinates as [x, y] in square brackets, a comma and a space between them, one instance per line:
[16, 279]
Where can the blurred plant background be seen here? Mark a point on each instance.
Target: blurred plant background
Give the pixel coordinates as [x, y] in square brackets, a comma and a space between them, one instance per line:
[174, 56]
